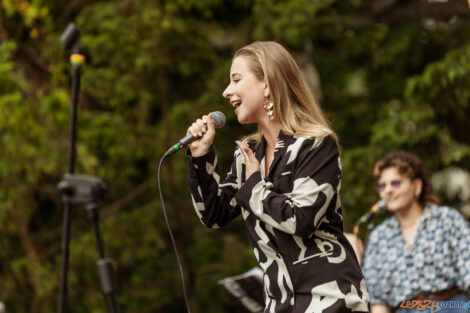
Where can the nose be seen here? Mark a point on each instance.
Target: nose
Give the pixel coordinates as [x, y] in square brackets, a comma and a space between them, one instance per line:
[388, 190]
[228, 92]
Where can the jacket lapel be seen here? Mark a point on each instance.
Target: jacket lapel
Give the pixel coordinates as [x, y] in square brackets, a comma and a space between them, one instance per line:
[282, 143]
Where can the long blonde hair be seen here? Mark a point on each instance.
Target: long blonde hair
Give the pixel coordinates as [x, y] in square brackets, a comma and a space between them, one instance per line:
[295, 107]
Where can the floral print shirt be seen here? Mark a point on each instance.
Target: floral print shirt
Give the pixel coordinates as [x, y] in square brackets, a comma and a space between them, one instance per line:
[438, 258]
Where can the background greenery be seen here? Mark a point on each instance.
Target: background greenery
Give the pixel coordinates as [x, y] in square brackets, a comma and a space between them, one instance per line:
[390, 74]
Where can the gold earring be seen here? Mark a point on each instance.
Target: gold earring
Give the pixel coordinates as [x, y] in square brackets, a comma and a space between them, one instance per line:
[269, 107]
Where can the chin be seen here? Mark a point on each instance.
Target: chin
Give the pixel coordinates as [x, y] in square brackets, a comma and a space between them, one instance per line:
[241, 120]
[244, 120]
[395, 209]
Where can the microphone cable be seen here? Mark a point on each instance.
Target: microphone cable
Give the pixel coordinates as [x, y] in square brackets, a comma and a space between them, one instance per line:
[186, 298]
[219, 121]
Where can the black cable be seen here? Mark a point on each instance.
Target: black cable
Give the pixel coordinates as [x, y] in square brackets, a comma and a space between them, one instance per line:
[171, 235]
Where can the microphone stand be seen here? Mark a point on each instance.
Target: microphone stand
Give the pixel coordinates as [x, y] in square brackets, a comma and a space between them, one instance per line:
[105, 267]
[71, 40]
[82, 189]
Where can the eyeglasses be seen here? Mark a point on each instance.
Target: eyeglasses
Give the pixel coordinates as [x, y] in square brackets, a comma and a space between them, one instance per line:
[396, 183]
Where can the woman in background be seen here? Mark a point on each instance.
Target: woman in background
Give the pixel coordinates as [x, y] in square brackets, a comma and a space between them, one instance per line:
[284, 182]
[422, 252]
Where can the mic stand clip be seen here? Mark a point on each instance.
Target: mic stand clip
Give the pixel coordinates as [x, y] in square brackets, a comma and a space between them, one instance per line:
[88, 190]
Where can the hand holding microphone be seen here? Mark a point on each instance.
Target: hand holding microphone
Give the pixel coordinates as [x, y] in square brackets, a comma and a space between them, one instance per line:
[203, 130]
[200, 134]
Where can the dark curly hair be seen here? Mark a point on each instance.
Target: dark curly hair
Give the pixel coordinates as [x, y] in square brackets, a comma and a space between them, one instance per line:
[409, 165]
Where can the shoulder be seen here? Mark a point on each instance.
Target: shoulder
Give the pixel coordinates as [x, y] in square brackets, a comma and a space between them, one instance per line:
[309, 144]
[325, 140]
[313, 151]
[443, 213]
[384, 230]
[449, 221]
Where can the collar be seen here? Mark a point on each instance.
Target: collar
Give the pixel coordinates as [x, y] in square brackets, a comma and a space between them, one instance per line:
[282, 142]
[431, 211]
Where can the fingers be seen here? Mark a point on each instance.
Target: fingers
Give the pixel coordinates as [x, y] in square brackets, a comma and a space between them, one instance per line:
[198, 128]
[210, 122]
[251, 163]
[240, 145]
[246, 151]
[203, 130]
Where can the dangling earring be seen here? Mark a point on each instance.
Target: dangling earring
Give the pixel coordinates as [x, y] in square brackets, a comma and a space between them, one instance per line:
[269, 107]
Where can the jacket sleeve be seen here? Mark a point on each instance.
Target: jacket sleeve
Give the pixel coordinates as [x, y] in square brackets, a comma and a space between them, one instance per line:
[214, 202]
[316, 178]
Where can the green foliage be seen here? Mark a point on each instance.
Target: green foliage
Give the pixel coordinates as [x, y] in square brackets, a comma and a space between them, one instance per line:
[154, 66]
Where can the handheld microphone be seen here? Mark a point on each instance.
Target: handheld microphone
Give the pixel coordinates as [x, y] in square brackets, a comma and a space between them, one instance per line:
[219, 121]
[379, 207]
[376, 208]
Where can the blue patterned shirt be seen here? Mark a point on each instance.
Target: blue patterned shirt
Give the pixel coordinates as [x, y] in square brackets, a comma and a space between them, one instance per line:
[438, 258]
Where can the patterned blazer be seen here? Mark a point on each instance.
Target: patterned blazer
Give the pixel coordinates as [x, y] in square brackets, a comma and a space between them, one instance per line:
[294, 222]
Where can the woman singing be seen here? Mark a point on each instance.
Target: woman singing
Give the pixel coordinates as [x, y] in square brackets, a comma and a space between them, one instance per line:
[420, 255]
[284, 182]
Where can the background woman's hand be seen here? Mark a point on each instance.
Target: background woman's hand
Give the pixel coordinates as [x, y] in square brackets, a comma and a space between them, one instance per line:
[251, 163]
[203, 128]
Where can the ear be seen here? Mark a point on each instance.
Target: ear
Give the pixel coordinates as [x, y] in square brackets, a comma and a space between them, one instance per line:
[266, 90]
[418, 186]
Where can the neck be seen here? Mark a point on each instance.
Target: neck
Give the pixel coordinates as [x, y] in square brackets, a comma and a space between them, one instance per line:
[410, 217]
[270, 132]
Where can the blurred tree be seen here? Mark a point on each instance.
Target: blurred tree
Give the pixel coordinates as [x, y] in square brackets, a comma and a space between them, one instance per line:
[390, 74]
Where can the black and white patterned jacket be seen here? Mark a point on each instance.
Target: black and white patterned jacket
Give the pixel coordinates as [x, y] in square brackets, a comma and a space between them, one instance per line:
[293, 218]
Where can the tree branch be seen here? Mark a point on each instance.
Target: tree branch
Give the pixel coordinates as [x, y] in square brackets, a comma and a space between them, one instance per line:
[381, 6]
[440, 10]
[392, 12]
[112, 209]
[3, 32]
[26, 241]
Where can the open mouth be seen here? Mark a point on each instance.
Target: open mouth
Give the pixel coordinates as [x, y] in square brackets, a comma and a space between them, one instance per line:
[236, 104]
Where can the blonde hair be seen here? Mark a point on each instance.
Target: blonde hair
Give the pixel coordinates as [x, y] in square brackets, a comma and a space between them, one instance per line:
[295, 107]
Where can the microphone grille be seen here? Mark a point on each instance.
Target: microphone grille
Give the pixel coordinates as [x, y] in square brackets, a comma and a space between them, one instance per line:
[382, 205]
[219, 119]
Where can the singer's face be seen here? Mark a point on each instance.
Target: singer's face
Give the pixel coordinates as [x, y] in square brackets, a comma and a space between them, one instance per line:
[398, 190]
[246, 92]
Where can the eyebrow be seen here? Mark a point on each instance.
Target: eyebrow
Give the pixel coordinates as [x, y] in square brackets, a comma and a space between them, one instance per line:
[233, 74]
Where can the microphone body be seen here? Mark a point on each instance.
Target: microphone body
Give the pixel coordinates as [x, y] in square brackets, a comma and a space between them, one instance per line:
[376, 208]
[219, 122]
[379, 207]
